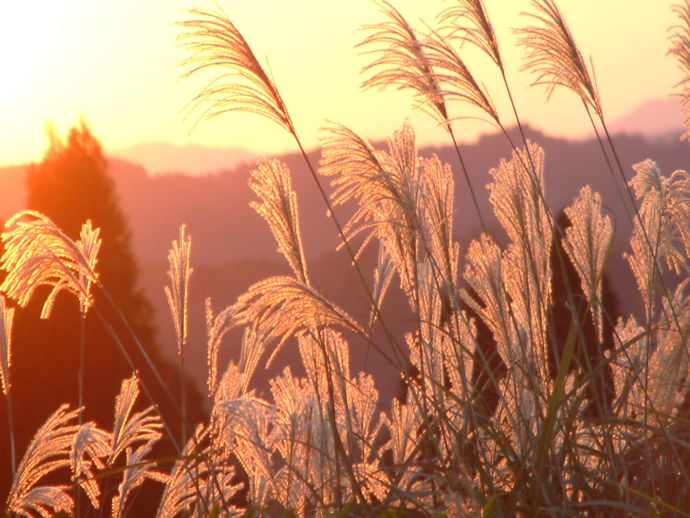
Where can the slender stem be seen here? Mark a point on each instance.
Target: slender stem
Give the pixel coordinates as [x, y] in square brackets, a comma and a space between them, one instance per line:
[82, 325]
[80, 376]
[183, 397]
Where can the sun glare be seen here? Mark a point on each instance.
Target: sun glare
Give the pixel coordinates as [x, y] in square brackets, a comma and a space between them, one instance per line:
[29, 41]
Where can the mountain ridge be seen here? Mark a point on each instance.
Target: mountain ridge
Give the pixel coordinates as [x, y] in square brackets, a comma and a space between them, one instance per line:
[232, 247]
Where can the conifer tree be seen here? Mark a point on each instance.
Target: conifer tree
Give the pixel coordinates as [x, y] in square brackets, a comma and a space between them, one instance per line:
[70, 185]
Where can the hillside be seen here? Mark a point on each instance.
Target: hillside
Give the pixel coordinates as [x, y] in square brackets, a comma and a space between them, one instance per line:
[232, 246]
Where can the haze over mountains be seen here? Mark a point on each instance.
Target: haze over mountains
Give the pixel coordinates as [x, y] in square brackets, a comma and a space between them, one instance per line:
[194, 159]
[653, 119]
[232, 247]
[656, 118]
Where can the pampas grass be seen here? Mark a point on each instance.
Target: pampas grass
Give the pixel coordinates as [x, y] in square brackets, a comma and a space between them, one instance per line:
[500, 416]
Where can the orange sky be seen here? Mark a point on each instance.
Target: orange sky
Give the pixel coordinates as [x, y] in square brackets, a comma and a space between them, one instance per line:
[115, 62]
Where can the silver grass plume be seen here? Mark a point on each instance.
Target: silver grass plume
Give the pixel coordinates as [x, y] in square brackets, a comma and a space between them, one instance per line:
[468, 21]
[352, 163]
[6, 319]
[235, 380]
[253, 347]
[338, 357]
[90, 447]
[383, 275]
[295, 441]
[427, 347]
[177, 292]
[516, 195]
[388, 190]
[587, 243]
[629, 366]
[130, 428]
[484, 273]
[664, 212]
[284, 306]
[455, 79]
[404, 424]
[137, 469]
[37, 253]
[277, 205]
[134, 434]
[311, 417]
[437, 211]
[671, 196]
[215, 43]
[48, 451]
[246, 427]
[680, 50]
[669, 368]
[216, 328]
[402, 62]
[200, 481]
[553, 56]
[358, 173]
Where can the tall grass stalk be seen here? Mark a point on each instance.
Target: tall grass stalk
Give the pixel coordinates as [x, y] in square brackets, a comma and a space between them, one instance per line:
[507, 410]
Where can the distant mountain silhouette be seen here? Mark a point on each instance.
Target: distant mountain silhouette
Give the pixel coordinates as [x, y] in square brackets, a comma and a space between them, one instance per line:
[658, 118]
[162, 157]
[232, 247]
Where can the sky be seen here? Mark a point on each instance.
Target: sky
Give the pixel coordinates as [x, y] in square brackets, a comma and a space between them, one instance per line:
[116, 63]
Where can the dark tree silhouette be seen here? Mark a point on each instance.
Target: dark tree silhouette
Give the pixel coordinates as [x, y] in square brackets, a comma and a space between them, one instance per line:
[71, 185]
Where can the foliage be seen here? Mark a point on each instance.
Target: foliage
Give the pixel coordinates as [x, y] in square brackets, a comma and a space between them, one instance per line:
[64, 352]
[589, 414]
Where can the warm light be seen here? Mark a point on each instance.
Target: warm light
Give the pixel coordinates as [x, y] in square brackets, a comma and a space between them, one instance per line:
[31, 36]
[115, 63]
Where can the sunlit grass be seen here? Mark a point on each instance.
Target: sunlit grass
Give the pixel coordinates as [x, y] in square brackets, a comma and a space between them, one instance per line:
[534, 417]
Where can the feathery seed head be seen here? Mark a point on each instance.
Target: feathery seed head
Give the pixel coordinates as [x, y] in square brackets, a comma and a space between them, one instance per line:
[402, 62]
[177, 293]
[242, 84]
[277, 205]
[48, 451]
[680, 50]
[468, 20]
[38, 254]
[553, 56]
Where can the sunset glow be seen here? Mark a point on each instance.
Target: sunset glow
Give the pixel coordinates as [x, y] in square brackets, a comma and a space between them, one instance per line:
[358, 258]
[117, 64]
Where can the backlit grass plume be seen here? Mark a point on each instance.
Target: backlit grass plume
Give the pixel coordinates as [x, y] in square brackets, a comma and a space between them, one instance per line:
[38, 253]
[48, 451]
[521, 390]
[90, 447]
[456, 80]
[134, 434]
[277, 205]
[468, 20]
[243, 84]
[402, 62]
[680, 50]
[177, 292]
[587, 244]
[553, 56]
